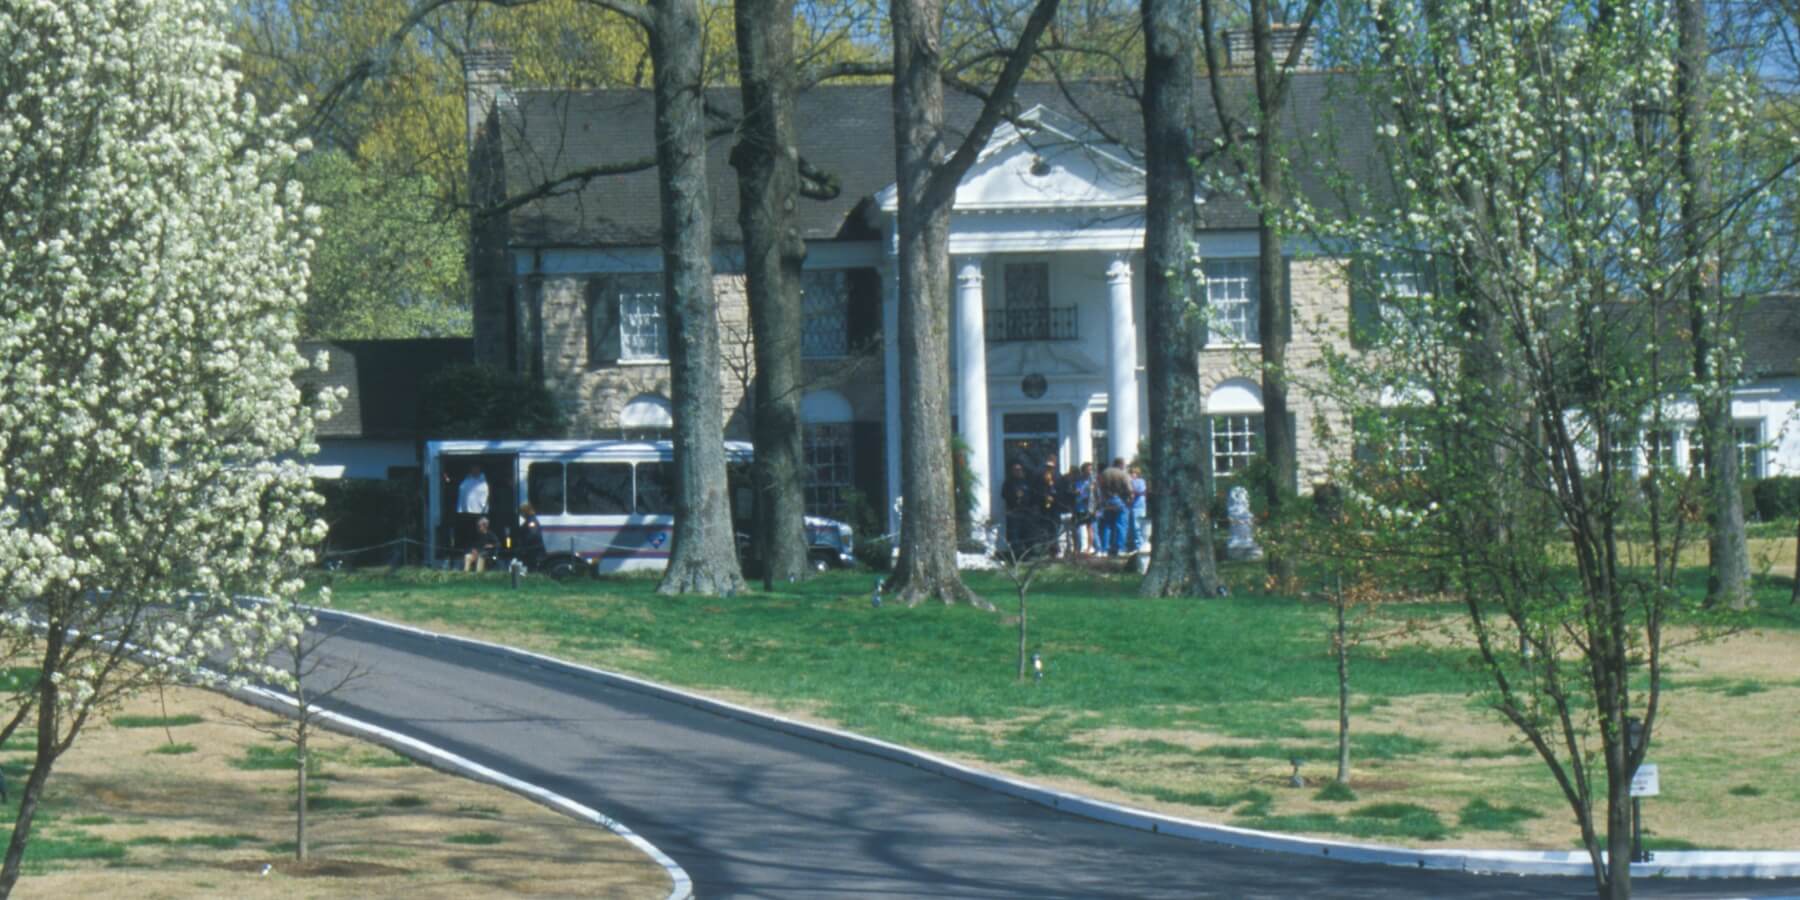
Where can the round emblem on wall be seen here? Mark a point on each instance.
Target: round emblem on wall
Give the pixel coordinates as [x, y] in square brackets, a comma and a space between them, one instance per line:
[1034, 385]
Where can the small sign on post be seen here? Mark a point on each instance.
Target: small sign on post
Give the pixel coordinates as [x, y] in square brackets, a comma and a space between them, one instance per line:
[1644, 781]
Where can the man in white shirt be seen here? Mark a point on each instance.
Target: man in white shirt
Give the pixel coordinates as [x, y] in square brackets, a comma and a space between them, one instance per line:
[471, 505]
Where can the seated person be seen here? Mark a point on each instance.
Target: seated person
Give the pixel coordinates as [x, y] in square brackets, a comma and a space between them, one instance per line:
[482, 548]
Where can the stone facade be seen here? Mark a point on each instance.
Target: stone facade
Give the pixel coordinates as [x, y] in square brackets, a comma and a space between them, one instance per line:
[1321, 297]
[592, 396]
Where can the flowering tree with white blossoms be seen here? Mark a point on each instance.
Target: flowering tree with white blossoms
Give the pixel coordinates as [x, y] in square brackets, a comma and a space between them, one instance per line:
[152, 266]
[1520, 326]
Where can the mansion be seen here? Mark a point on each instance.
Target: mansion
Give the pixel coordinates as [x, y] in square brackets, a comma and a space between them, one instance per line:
[1047, 344]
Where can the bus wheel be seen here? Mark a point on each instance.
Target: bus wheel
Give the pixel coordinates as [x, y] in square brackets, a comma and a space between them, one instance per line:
[564, 568]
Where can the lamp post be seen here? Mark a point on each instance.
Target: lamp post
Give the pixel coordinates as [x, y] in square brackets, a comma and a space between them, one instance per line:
[1634, 746]
[1037, 667]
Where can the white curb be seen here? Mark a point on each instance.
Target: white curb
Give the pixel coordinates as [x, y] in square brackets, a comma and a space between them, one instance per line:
[439, 758]
[1666, 864]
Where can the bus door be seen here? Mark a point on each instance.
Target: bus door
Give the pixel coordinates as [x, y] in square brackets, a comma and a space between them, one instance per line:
[503, 492]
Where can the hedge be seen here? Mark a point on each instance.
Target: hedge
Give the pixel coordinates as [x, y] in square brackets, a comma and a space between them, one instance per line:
[1777, 498]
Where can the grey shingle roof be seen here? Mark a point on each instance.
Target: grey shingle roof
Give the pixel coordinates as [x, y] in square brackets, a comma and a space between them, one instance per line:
[846, 131]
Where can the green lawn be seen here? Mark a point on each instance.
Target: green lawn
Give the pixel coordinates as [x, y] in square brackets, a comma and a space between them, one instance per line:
[1195, 706]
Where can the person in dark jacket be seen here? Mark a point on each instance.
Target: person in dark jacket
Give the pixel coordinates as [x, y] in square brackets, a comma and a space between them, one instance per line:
[1047, 509]
[530, 547]
[1015, 496]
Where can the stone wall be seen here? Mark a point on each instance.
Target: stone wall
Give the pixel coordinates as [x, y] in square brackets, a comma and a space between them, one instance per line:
[592, 396]
[1321, 296]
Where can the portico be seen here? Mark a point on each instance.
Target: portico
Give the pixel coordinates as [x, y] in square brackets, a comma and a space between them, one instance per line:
[1045, 240]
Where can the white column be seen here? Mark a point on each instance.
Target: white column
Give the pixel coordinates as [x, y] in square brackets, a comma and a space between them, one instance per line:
[971, 380]
[1122, 402]
[890, 371]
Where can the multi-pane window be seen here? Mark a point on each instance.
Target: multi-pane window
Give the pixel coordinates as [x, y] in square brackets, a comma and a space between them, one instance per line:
[825, 299]
[1028, 286]
[1234, 441]
[827, 452]
[1411, 451]
[1231, 301]
[1624, 454]
[1659, 448]
[1749, 444]
[1403, 287]
[1746, 436]
[1097, 433]
[642, 334]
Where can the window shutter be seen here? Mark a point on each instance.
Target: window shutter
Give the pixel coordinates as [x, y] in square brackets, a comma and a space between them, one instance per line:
[603, 322]
[868, 465]
[864, 313]
[1365, 304]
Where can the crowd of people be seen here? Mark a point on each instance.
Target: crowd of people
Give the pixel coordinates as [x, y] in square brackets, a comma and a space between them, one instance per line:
[1075, 512]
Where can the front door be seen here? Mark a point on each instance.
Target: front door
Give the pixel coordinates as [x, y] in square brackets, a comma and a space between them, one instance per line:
[1030, 438]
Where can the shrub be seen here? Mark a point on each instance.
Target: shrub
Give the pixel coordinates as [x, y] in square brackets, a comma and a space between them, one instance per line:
[1777, 498]
[364, 516]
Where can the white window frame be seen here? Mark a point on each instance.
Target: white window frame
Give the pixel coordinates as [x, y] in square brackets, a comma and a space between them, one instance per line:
[1411, 451]
[643, 334]
[828, 449]
[1748, 434]
[1245, 426]
[1232, 314]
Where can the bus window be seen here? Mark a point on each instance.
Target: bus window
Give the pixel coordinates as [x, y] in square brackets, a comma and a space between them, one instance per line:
[600, 489]
[655, 489]
[544, 486]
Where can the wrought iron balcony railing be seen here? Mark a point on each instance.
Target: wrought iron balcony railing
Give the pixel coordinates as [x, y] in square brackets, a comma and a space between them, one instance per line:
[1055, 323]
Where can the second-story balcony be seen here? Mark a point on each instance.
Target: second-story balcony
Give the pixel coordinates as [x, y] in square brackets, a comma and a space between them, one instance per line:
[1054, 323]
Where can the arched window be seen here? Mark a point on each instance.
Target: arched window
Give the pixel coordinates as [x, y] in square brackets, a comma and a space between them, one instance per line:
[646, 417]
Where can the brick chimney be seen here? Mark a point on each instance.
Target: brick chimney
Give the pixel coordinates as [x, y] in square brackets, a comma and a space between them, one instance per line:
[487, 81]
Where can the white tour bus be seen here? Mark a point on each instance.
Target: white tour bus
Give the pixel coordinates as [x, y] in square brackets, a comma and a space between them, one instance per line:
[603, 506]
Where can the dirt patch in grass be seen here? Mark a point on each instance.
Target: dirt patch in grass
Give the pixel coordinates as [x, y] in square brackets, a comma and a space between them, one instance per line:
[195, 825]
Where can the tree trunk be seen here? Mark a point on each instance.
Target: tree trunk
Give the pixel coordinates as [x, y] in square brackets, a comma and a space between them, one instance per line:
[300, 785]
[1616, 885]
[1343, 673]
[1181, 559]
[1274, 315]
[1728, 579]
[767, 164]
[704, 557]
[1022, 631]
[927, 564]
[47, 725]
[926, 182]
[1794, 595]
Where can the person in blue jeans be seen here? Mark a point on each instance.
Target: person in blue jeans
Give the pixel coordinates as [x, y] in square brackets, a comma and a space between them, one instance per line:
[1140, 511]
[1115, 508]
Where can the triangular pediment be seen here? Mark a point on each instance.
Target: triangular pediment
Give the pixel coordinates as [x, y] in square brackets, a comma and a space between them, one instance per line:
[1044, 160]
